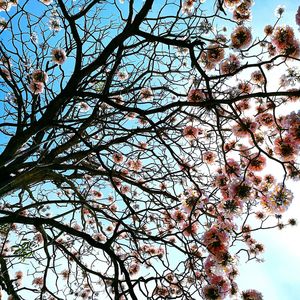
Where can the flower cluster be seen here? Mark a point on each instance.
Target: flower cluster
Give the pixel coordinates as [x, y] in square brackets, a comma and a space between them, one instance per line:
[278, 200]
[230, 65]
[59, 56]
[146, 94]
[212, 55]
[242, 11]
[188, 6]
[6, 5]
[38, 80]
[285, 42]
[241, 37]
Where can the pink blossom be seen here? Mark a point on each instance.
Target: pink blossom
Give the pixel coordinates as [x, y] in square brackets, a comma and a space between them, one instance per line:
[215, 240]
[252, 295]
[196, 95]
[230, 65]
[232, 167]
[297, 17]
[38, 281]
[59, 56]
[146, 94]
[36, 87]
[46, 2]
[39, 76]
[189, 228]
[118, 158]
[190, 132]
[241, 37]
[209, 157]
[135, 165]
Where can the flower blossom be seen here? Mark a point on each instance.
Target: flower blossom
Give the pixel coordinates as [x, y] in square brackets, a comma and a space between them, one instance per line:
[256, 162]
[36, 87]
[146, 94]
[230, 65]
[241, 37]
[209, 157]
[46, 2]
[286, 148]
[3, 24]
[39, 76]
[59, 56]
[297, 17]
[277, 201]
[215, 240]
[251, 295]
[190, 132]
[196, 95]
[118, 158]
[135, 165]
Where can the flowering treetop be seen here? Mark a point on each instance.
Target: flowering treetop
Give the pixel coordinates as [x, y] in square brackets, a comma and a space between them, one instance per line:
[137, 145]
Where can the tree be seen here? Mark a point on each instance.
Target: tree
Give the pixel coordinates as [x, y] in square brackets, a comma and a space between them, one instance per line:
[134, 143]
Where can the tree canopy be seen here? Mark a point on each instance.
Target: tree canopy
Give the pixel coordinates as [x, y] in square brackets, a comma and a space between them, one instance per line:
[137, 140]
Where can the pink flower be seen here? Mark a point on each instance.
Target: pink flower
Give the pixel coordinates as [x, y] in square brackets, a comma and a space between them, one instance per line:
[178, 216]
[282, 36]
[252, 295]
[212, 291]
[19, 275]
[268, 30]
[232, 167]
[38, 281]
[244, 128]
[99, 237]
[231, 207]
[59, 56]
[189, 228]
[39, 76]
[241, 37]
[230, 65]
[240, 189]
[96, 194]
[3, 24]
[46, 2]
[231, 3]
[122, 75]
[124, 189]
[190, 132]
[257, 77]
[135, 165]
[187, 7]
[265, 119]
[36, 87]
[196, 95]
[257, 162]
[118, 158]
[278, 200]
[214, 53]
[133, 269]
[146, 94]
[297, 17]
[6, 5]
[221, 180]
[215, 240]
[286, 148]
[209, 157]
[292, 49]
